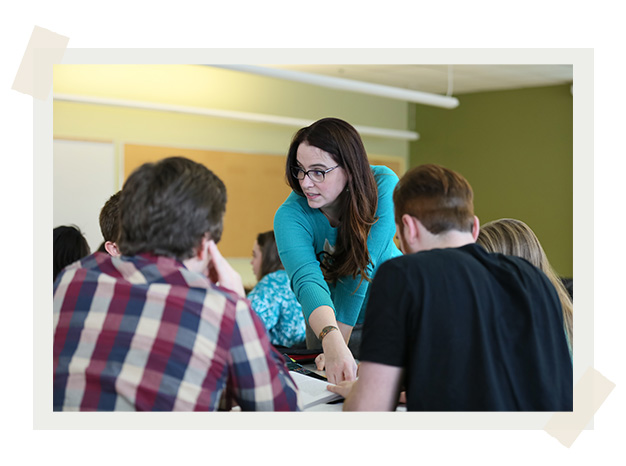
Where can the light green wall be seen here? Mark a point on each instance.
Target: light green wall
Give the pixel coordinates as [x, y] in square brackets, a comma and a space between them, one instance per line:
[515, 148]
[208, 87]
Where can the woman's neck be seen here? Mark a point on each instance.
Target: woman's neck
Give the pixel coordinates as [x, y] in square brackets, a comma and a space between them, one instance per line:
[332, 215]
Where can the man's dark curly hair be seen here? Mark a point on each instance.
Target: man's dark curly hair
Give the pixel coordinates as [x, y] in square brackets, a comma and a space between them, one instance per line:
[167, 208]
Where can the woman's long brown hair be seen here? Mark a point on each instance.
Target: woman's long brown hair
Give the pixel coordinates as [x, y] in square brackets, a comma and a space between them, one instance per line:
[359, 199]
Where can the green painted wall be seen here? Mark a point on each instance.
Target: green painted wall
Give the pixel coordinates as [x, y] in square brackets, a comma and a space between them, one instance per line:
[515, 148]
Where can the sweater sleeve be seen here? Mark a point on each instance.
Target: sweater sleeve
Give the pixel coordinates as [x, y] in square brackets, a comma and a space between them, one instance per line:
[294, 230]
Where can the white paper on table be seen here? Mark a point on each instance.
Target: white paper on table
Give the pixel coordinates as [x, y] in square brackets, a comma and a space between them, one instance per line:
[312, 391]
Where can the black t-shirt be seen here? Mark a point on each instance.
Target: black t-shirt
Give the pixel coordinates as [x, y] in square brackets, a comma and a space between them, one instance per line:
[474, 331]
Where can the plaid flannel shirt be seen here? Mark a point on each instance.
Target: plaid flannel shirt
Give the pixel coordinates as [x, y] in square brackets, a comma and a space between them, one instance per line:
[145, 333]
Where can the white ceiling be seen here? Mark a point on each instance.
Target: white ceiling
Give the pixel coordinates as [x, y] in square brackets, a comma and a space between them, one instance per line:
[435, 78]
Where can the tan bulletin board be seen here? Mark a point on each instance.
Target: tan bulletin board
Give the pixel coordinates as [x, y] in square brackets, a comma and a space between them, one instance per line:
[255, 185]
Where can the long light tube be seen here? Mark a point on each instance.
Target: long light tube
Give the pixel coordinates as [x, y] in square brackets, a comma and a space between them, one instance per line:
[230, 114]
[391, 92]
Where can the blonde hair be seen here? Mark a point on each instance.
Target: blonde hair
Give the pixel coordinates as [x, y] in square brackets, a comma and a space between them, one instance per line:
[515, 238]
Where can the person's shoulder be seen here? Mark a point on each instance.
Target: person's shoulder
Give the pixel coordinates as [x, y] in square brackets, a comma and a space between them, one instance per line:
[469, 255]
[203, 288]
[294, 204]
[383, 172]
[398, 263]
[70, 272]
[92, 260]
[88, 263]
[266, 281]
[278, 275]
[525, 267]
[427, 259]
[215, 303]
[385, 177]
[178, 279]
[496, 258]
[435, 254]
[273, 280]
[503, 264]
[293, 199]
[464, 252]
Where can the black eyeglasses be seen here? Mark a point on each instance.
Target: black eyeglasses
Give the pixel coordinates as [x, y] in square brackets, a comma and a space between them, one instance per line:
[315, 175]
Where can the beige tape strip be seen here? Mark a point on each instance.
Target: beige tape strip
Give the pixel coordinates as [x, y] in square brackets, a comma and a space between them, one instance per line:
[37, 82]
[589, 394]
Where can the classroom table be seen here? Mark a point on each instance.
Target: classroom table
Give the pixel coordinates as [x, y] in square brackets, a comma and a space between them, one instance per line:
[335, 406]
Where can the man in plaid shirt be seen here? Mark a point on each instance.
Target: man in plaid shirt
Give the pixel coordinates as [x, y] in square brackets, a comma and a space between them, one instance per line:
[152, 329]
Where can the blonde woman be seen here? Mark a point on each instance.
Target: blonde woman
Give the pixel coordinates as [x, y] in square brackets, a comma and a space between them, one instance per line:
[515, 238]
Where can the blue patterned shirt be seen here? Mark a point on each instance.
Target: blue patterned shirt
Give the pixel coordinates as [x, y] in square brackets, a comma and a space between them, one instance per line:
[277, 306]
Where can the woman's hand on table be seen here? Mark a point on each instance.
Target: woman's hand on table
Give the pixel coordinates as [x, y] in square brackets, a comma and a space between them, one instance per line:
[342, 388]
[320, 362]
[337, 359]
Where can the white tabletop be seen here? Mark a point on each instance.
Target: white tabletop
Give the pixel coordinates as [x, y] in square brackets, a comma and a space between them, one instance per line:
[336, 406]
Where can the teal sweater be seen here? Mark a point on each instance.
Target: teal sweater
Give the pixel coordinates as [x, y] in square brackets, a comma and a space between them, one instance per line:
[304, 234]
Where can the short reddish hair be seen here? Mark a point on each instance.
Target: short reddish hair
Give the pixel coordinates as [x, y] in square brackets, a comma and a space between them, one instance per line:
[441, 199]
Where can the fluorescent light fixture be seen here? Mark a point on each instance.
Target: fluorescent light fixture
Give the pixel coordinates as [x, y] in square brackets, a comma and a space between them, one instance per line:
[380, 90]
[230, 114]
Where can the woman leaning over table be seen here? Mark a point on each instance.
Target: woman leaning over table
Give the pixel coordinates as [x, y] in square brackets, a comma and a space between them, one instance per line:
[332, 232]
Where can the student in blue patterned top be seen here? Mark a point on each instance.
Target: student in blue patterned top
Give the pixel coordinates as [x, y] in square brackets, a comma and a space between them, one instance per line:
[332, 232]
[272, 297]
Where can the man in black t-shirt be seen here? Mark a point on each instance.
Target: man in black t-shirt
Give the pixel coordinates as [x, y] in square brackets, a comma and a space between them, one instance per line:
[457, 328]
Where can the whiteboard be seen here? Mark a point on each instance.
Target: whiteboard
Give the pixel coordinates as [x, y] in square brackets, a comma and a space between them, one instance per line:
[84, 177]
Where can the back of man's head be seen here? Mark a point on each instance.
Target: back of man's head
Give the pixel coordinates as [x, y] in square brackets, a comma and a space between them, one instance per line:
[110, 218]
[167, 207]
[441, 199]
